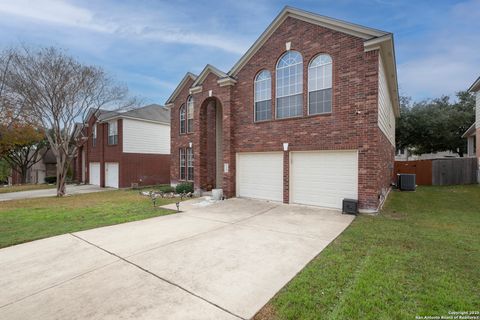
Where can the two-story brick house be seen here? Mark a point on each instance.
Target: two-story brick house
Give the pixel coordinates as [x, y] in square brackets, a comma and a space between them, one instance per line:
[306, 116]
[125, 148]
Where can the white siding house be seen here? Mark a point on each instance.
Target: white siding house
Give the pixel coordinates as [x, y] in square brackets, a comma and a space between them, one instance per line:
[145, 137]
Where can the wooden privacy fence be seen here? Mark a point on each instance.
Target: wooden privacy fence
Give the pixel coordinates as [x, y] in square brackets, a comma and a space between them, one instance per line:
[446, 171]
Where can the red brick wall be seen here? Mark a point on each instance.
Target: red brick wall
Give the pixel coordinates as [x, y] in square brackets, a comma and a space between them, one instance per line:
[180, 140]
[352, 124]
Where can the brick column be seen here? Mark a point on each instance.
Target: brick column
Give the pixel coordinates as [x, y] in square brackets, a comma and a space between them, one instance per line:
[228, 151]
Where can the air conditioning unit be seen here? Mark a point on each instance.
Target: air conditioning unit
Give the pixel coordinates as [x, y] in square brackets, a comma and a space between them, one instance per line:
[350, 206]
[406, 182]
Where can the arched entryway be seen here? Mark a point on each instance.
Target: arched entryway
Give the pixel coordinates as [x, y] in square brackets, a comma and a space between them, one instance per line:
[211, 144]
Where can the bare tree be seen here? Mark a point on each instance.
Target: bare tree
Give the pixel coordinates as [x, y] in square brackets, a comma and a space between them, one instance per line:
[58, 92]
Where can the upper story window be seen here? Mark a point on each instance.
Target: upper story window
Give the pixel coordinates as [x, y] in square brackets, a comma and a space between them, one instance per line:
[94, 135]
[183, 125]
[320, 85]
[112, 133]
[263, 96]
[289, 85]
[190, 114]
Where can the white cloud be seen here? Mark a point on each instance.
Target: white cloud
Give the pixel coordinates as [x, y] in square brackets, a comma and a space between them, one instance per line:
[150, 26]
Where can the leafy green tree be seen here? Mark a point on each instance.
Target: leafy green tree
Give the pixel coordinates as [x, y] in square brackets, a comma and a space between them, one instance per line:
[435, 125]
[21, 146]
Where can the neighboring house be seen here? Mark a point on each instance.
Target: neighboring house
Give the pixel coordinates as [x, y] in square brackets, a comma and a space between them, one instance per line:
[45, 167]
[405, 155]
[306, 116]
[122, 149]
[473, 133]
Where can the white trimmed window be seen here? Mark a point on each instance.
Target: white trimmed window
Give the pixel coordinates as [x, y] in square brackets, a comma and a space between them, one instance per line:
[183, 124]
[182, 163]
[263, 96]
[320, 85]
[289, 78]
[94, 135]
[112, 133]
[190, 114]
[190, 164]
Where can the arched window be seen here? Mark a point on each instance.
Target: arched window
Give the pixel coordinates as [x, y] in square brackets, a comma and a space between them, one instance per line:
[190, 114]
[289, 85]
[182, 119]
[263, 96]
[320, 85]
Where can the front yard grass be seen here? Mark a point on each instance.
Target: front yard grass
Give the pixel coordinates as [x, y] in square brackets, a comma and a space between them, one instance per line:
[31, 219]
[419, 257]
[25, 187]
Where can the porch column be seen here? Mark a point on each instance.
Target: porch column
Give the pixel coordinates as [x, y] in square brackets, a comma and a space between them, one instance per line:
[228, 151]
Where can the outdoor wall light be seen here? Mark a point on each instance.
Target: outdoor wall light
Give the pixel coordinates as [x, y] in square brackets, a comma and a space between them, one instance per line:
[190, 145]
[285, 146]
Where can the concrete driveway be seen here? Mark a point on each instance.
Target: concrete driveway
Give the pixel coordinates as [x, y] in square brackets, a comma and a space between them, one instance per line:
[71, 189]
[224, 261]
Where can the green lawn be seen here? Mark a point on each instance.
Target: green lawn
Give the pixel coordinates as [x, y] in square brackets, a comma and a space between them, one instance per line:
[26, 220]
[420, 256]
[26, 187]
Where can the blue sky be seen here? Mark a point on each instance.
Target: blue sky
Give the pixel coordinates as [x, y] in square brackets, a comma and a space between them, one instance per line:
[149, 45]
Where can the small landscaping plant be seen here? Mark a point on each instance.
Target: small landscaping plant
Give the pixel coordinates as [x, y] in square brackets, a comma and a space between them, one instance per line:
[166, 188]
[51, 179]
[184, 187]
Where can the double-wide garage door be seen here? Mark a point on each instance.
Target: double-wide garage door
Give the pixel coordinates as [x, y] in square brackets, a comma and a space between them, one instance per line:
[319, 178]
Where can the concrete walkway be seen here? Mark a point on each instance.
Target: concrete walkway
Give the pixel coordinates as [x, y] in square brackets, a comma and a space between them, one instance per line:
[224, 261]
[71, 189]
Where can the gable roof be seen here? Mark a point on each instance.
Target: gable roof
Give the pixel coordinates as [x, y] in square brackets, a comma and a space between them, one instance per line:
[177, 90]
[470, 131]
[208, 69]
[330, 23]
[475, 86]
[151, 113]
[374, 39]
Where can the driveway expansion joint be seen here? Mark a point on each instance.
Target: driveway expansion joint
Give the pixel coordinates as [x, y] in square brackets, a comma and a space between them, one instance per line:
[159, 277]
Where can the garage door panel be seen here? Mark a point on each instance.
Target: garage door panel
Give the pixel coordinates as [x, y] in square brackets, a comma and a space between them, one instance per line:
[94, 173]
[111, 174]
[323, 178]
[260, 175]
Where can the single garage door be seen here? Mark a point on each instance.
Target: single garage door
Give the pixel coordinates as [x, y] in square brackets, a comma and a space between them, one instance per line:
[111, 174]
[94, 173]
[323, 178]
[260, 175]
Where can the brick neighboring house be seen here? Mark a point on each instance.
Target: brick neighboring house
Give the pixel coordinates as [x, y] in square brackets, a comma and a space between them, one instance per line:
[306, 116]
[125, 148]
[473, 133]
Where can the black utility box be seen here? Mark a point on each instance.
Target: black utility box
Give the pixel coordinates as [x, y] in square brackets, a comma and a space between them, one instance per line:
[406, 182]
[350, 206]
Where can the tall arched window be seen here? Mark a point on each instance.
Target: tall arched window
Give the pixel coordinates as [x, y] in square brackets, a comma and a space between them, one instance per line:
[263, 96]
[190, 114]
[289, 85]
[320, 85]
[182, 119]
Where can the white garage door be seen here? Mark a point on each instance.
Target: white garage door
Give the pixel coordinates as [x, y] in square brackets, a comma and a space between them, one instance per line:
[260, 175]
[111, 174]
[323, 178]
[94, 173]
